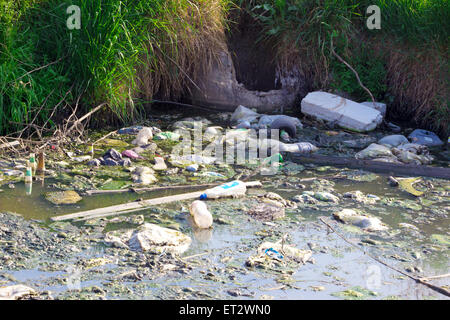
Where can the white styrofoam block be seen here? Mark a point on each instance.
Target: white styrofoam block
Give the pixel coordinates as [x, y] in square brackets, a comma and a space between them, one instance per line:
[378, 105]
[347, 114]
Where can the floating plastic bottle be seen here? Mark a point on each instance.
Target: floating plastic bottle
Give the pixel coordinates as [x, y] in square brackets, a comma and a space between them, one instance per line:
[201, 215]
[306, 147]
[32, 162]
[230, 189]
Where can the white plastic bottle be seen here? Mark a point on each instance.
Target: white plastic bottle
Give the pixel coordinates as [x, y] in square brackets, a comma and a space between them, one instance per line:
[231, 189]
[201, 215]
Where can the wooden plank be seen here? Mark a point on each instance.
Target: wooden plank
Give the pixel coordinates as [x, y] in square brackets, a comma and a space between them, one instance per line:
[129, 206]
[136, 206]
[375, 166]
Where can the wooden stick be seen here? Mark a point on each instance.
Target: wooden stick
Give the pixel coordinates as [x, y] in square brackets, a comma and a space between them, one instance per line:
[9, 144]
[436, 277]
[418, 280]
[375, 166]
[125, 208]
[92, 192]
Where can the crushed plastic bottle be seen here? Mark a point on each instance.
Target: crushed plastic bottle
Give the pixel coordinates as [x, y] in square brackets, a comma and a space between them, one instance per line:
[275, 158]
[231, 189]
[201, 215]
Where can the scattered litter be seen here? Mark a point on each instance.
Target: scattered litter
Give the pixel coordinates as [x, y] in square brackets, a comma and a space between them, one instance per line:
[200, 214]
[425, 137]
[143, 175]
[393, 140]
[352, 217]
[232, 189]
[144, 135]
[159, 164]
[268, 255]
[406, 184]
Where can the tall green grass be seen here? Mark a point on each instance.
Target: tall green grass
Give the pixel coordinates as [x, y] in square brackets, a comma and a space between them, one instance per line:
[100, 62]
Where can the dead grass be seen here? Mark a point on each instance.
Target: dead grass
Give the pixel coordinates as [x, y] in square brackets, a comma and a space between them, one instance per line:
[196, 36]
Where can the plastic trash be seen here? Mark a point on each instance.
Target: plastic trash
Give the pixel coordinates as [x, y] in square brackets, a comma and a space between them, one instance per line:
[374, 151]
[200, 214]
[231, 189]
[425, 137]
[393, 140]
[272, 253]
[211, 133]
[242, 114]
[281, 122]
[192, 168]
[143, 136]
[275, 158]
[284, 135]
[213, 174]
[131, 154]
[173, 136]
[159, 164]
[130, 130]
[301, 147]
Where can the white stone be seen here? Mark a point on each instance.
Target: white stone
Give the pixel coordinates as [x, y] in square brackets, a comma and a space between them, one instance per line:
[347, 114]
[151, 237]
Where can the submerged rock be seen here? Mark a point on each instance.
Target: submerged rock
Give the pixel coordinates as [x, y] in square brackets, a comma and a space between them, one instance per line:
[15, 292]
[63, 197]
[352, 217]
[393, 140]
[267, 211]
[143, 175]
[375, 151]
[153, 238]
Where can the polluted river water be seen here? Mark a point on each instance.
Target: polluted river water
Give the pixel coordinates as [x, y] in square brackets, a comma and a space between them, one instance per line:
[70, 260]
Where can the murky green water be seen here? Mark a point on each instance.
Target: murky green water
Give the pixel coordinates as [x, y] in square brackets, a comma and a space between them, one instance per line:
[338, 267]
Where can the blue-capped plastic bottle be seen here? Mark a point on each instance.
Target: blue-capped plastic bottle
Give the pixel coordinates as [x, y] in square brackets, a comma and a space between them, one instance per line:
[231, 189]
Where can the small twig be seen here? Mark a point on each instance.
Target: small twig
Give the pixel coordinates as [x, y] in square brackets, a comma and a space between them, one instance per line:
[195, 255]
[41, 67]
[76, 123]
[418, 280]
[436, 277]
[354, 71]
